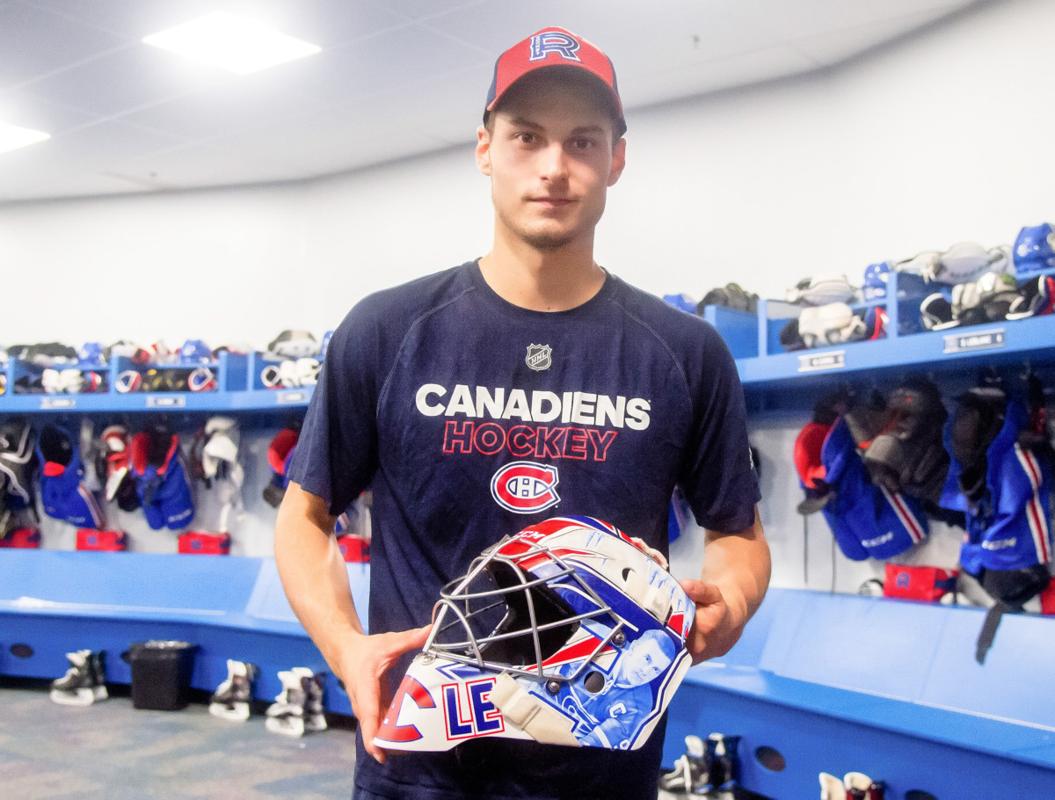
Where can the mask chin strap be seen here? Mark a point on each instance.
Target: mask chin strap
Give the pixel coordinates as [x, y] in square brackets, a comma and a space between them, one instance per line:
[652, 598]
[539, 720]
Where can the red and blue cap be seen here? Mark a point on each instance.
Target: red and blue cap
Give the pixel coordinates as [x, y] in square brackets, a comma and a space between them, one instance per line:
[554, 47]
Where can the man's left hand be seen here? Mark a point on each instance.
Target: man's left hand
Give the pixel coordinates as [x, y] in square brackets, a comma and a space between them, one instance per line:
[715, 628]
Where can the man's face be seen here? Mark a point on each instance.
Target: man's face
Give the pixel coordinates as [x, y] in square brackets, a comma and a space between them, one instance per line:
[551, 160]
[643, 662]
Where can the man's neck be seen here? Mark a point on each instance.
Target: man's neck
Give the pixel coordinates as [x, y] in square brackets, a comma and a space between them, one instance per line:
[550, 280]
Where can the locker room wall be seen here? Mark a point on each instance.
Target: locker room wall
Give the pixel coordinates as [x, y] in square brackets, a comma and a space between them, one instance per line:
[939, 138]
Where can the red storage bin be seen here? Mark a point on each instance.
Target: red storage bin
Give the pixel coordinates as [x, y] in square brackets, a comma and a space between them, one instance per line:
[110, 541]
[354, 548]
[200, 543]
[25, 538]
[918, 583]
[1047, 599]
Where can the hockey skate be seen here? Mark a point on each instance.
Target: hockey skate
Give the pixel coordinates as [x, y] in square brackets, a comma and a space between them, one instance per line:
[832, 788]
[725, 764]
[84, 681]
[232, 698]
[860, 787]
[99, 675]
[314, 716]
[691, 771]
[286, 714]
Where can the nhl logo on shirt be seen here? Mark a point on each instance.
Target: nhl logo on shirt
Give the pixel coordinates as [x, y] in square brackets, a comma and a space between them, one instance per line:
[539, 357]
[525, 487]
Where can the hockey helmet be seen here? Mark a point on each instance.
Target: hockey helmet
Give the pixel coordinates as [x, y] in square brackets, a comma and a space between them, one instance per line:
[876, 277]
[195, 351]
[1034, 249]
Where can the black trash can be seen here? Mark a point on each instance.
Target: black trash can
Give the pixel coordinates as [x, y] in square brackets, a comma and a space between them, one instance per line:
[161, 673]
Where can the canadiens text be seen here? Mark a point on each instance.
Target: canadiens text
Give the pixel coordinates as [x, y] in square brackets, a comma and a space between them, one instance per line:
[581, 439]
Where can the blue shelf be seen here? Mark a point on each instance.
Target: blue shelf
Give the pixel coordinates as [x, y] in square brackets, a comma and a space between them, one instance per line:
[739, 329]
[270, 399]
[753, 340]
[763, 363]
[949, 350]
[238, 390]
[205, 402]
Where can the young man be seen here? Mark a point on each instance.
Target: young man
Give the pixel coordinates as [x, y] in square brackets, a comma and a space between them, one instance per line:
[524, 384]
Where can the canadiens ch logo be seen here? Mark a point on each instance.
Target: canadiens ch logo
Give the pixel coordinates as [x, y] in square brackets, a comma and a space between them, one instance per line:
[539, 357]
[525, 487]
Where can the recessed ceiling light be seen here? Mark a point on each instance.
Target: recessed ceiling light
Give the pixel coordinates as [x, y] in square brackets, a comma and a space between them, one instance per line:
[12, 137]
[233, 43]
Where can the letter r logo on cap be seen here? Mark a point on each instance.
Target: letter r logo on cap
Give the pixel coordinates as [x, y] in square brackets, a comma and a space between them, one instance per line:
[542, 44]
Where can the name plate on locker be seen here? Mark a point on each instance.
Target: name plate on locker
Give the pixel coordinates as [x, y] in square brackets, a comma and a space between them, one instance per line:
[833, 359]
[983, 340]
[163, 401]
[58, 402]
[292, 397]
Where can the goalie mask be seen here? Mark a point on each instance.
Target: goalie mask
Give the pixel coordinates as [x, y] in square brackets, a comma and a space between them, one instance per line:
[569, 632]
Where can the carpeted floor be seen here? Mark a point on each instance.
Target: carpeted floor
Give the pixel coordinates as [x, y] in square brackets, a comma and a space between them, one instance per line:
[114, 751]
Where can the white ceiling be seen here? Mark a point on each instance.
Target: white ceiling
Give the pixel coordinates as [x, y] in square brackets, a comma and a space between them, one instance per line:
[394, 79]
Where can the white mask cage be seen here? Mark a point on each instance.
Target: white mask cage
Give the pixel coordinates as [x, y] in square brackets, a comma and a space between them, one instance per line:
[503, 617]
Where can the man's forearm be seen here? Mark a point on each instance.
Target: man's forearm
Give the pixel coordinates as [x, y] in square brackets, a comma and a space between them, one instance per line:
[739, 564]
[313, 573]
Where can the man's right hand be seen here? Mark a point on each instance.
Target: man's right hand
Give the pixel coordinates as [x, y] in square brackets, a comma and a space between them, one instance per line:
[364, 662]
[323, 603]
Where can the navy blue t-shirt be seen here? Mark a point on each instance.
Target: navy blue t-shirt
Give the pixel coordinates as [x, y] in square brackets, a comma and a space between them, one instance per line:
[471, 418]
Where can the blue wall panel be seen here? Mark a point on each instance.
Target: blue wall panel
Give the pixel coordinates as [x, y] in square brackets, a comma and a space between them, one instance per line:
[229, 607]
[862, 644]
[1017, 680]
[825, 695]
[207, 585]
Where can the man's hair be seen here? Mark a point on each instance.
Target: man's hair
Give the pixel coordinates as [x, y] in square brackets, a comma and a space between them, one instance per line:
[565, 77]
